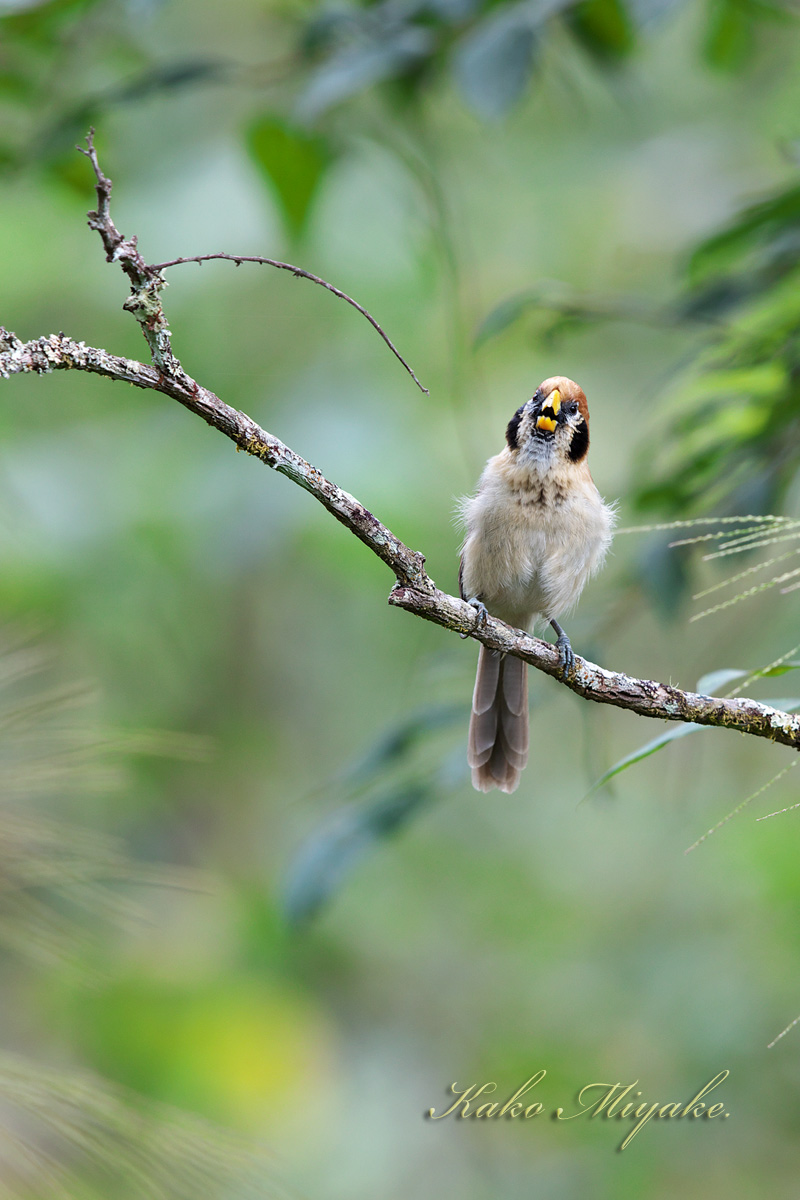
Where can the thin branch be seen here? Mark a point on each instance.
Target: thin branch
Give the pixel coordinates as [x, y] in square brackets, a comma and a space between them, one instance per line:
[303, 274]
[147, 282]
[414, 590]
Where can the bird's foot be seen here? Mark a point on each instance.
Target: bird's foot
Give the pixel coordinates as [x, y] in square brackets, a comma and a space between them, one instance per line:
[481, 610]
[566, 655]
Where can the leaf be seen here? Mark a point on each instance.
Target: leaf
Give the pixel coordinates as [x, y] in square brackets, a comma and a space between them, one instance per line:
[494, 62]
[758, 222]
[663, 574]
[672, 735]
[170, 76]
[503, 316]
[333, 852]
[396, 745]
[13, 84]
[647, 14]
[731, 29]
[645, 751]
[454, 11]
[400, 771]
[603, 27]
[726, 41]
[361, 64]
[10, 8]
[293, 162]
[709, 684]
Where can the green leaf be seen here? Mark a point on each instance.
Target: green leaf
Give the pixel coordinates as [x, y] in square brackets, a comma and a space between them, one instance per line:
[494, 62]
[678, 731]
[42, 20]
[333, 852]
[768, 218]
[663, 573]
[362, 64]
[604, 27]
[397, 745]
[671, 735]
[13, 84]
[709, 684]
[293, 162]
[728, 39]
[503, 316]
[401, 782]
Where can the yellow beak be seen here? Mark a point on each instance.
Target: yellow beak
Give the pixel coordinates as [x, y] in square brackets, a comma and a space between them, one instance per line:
[548, 422]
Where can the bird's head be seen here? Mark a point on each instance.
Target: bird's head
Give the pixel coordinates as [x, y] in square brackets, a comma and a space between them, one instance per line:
[553, 423]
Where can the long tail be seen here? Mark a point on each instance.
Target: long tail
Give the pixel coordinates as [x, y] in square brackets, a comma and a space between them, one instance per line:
[498, 727]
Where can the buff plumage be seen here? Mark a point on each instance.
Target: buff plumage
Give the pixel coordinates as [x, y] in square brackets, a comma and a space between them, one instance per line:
[537, 529]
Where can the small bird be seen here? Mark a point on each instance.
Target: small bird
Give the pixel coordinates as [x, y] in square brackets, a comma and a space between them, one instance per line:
[536, 531]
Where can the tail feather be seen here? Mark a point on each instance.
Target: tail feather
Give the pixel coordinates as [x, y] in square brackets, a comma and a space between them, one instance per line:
[487, 680]
[498, 729]
[483, 725]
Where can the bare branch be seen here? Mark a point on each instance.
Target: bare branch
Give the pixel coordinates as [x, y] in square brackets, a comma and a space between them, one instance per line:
[147, 282]
[414, 590]
[299, 271]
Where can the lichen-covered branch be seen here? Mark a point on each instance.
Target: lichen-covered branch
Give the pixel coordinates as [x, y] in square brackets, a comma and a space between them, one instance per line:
[60, 353]
[414, 590]
[146, 282]
[643, 696]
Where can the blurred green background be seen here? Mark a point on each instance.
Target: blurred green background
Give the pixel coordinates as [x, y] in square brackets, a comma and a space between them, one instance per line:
[342, 927]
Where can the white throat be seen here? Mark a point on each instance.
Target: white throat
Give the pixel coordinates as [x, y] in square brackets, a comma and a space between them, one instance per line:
[538, 454]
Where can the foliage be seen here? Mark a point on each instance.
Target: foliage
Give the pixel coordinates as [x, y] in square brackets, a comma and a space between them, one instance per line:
[293, 162]
[493, 49]
[394, 782]
[732, 441]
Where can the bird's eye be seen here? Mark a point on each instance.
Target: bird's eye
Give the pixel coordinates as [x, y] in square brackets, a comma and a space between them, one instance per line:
[572, 408]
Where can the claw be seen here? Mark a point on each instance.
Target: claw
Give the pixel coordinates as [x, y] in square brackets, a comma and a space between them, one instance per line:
[481, 610]
[566, 655]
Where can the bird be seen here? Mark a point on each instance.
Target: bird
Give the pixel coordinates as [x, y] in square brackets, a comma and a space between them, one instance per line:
[536, 530]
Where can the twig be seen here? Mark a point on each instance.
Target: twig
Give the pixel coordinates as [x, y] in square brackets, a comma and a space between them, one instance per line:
[147, 282]
[414, 590]
[783, 1033]
[303, 274]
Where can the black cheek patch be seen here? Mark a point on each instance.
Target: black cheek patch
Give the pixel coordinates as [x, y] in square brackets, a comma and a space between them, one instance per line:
[580, 442]
[512, 430]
